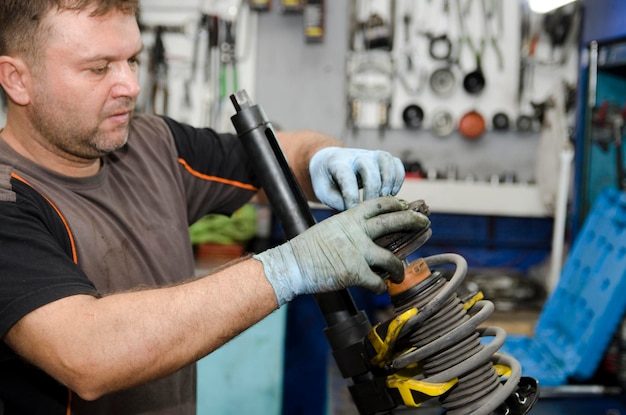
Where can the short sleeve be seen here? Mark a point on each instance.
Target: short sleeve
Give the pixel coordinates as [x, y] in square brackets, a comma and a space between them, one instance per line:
[37, 264]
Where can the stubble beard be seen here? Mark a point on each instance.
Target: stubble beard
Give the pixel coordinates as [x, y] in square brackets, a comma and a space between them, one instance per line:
[64, 133]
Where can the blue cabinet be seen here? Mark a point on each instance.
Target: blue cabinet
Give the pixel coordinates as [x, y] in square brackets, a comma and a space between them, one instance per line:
[603, 20]
[601, 104]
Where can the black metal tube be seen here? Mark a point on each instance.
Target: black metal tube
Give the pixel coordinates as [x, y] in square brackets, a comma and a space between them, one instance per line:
[346, 326]
[283, 191]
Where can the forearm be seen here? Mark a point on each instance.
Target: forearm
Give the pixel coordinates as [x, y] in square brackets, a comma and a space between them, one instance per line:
[299, 147]
[96, 346]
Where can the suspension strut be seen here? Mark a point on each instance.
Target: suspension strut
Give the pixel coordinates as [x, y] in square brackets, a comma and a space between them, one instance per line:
[436, 350]
[433, 346]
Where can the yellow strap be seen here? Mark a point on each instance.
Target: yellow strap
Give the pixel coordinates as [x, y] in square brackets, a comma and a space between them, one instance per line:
[502, 370]
[407, 387]
[470, 303]
[384, 347]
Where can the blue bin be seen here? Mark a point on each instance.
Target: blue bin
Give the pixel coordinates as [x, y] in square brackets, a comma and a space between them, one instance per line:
[580, 317]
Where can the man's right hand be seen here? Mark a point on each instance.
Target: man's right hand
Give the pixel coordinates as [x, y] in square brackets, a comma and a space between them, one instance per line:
[339, 252]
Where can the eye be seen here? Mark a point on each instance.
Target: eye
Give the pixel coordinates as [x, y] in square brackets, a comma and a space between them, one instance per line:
[134, 62]
[100, 70]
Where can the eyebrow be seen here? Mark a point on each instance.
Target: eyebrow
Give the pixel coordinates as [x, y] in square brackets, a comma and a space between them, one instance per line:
[97, 58]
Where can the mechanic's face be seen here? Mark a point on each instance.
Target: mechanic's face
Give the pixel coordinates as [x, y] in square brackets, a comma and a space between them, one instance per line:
[86, 87]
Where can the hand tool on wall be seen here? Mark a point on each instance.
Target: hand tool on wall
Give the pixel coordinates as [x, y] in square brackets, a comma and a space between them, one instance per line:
[187, 104]
[434, 25]
[413, 78]
[377, 31]
[432, 348]
[407, 18]
[462, 32]
[228, 75]
[220, 74]
[442, 49]
[618, 132]
[156, 85]
[525, 121]
[561, 27]
[607, 129]
[291, 6]
[440, 45]
[370, 67]
[410, 71]
[491, 10]
[158, 67]
[260, 5]
[474, 81]
[313, 19]
[211, 71]
[525, 37]
[369, 81]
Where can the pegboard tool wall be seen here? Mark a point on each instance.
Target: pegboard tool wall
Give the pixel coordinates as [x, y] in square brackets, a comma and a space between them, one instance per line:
[198, 82]
[303, 86]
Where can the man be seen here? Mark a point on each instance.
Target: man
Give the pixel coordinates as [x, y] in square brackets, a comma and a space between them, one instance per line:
[97, 311]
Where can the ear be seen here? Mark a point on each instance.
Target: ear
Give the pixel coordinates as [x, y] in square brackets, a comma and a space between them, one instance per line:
[14, 75]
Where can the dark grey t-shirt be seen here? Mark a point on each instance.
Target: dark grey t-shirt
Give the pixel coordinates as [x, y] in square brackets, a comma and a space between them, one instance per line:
[125, 227]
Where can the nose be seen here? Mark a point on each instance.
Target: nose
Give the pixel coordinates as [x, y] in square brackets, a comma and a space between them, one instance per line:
[126, 83]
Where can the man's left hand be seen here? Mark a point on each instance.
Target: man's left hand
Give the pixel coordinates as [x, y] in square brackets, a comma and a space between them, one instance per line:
[338, 173]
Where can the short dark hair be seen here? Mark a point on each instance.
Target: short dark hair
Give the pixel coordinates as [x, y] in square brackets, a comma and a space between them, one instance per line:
[22, 32]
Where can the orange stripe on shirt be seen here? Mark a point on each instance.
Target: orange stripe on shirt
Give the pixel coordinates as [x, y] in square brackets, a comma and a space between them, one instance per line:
[217, 179]
[67, 227]
[69, 402]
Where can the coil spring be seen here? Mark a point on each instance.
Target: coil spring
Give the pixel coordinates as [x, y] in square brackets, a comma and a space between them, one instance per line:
[444, 337]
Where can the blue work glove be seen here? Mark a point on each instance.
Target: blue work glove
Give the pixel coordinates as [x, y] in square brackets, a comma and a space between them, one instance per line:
[338, 173]
[339, 252]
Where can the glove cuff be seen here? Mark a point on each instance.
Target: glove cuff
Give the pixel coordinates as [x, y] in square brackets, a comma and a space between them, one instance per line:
[281, 270]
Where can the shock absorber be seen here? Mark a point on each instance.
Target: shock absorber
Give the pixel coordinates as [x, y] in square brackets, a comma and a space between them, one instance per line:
[434, 346]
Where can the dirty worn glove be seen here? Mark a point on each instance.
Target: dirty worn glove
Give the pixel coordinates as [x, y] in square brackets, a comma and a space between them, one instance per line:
[339, 252]
[338, 173]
